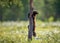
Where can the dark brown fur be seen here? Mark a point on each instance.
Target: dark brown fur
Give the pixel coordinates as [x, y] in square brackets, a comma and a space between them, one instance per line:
[33, 16]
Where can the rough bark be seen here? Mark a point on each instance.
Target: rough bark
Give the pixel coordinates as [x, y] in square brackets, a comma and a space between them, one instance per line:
[30, 31]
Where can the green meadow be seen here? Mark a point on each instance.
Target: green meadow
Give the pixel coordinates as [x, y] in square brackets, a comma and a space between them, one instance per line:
[17, 32]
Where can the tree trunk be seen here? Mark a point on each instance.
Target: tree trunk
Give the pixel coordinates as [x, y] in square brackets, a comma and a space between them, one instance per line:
[30, 31]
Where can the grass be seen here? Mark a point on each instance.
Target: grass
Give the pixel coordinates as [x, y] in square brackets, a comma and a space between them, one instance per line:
[17, 32]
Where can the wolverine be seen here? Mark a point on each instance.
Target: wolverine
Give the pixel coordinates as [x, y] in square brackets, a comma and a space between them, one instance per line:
[34, 25]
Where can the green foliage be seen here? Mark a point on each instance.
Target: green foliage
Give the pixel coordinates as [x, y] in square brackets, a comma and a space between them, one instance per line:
[18, 9]
[51, 19]
[13, 10]
[47, 8]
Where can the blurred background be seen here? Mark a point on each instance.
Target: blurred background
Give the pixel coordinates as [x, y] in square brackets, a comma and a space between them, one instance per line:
[14, 21]
[17, 10]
